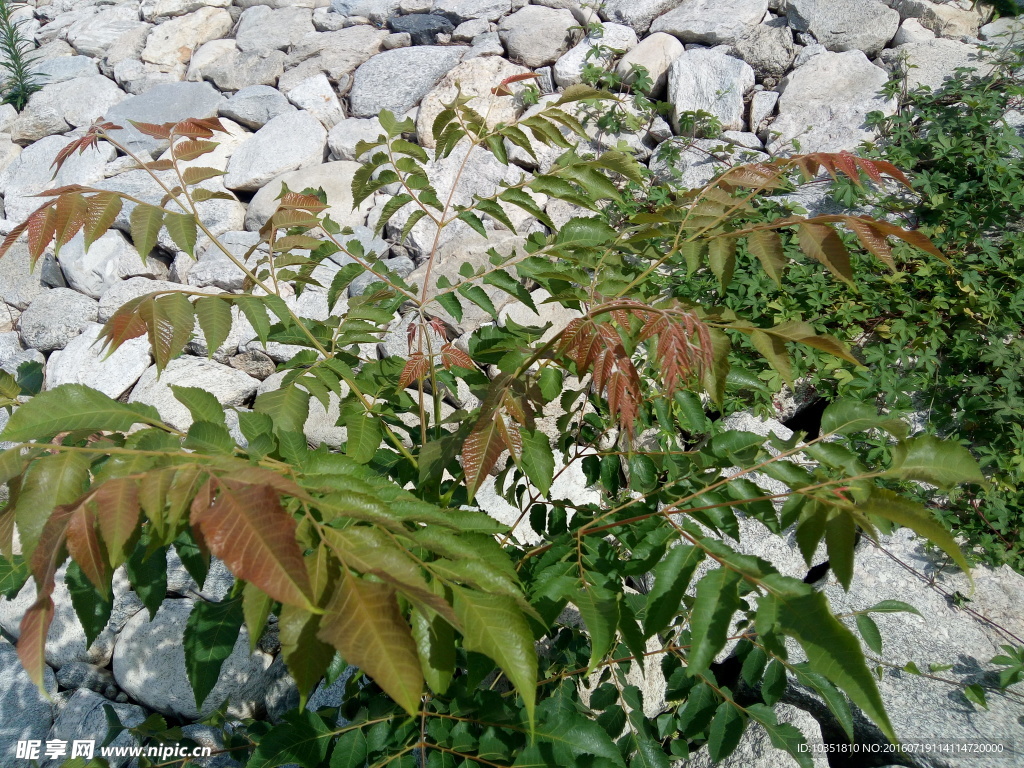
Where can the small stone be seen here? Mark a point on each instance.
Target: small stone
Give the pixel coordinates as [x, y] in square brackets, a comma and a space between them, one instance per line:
[655, 53]
[709, 80]
[762, 105]
[396, 40]
[288, 142]
[488, 44]
[80, 674]
[931, 62]
[255, 106]
[254, 363]
[912, 31]
[423, 28]
[94, 34]
[637, 14]
[235, 69]
[376, 11]
[344, 137]
[335, 179]
[65, 68]
[109, 259]
[467, 30]
[172, 42]
[768, 48]
[535, 36]
[568, 70]
[325, 20]
[55, 318]
[459, 11]
[316, 96]
[25, 713]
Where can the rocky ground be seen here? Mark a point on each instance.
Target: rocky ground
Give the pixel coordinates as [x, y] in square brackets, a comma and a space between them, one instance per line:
[299, 83]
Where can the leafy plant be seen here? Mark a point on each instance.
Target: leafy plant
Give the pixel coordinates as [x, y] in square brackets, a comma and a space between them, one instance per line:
[376, 556]
[20, 81]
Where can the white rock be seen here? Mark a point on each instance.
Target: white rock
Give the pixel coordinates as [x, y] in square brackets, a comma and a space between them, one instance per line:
[762, 105]
[397, 80]
[233, 70]
[943, 18]
[161, 10]
[263, 28]
[824, 103]
[711, 22]
[83, 718]
[655, 53]
[376, 11]
[845, 25]
[911, 31]
[256, 106]
[535, 36]
[614, 40]
[109, 259]
[65, 68]
[931, 62]
[316, 96]
[459, 11]
[467, 30]
[768, 48]
[709, 80]
[55, 318]
[230, 386]
[149, 665]
[337, 54]
[487, 44]
[32, 173]
[346, 135]
[25, 714]
[288, 142]
[93, 34]
[167, 103]
[172, 42]
[20, 284]
[84, 361]
[1005, 29]
[12, 354]
[334, 178]
[476, 78]
[637, 14]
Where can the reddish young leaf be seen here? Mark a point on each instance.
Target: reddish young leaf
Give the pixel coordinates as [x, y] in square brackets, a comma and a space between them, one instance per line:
[42, 225]
[416, 368]
[71, 210]
[151, 129]
[84, 545]
[453, 357]
[126, 323]
[483, 447]
[35, 625]
[872, 240]
[821, 243]
[251, 532]
[117, 514]
[100, 216]
[299, 201]
[13, 235]
[191, 149]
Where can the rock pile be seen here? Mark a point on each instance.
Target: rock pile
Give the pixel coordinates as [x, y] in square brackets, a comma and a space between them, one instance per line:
[299, 83]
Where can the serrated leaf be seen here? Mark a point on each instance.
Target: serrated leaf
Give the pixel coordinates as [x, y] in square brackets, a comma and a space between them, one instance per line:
[147, 573]
[717, 601]
[823, 244]
[435, 643]
[214, 316]
[364, 623]
[538, 460]
[196, 174]
[869, 631]
[100, 216]
[727, 728]
[672, 576]
[599, 610]
[210, 635]
[256, 605]
[182, 229]
[892, 606]
[145, 221]
[287, 406]
[365, 433]
[201, 404]
[766, 245]
[92, 607]
[302, 739]
[205, 437]
[847, 416]
[722, 259]
[191, 149]
[305, 654]
[13, 575]
[74, 407]
[940, 462]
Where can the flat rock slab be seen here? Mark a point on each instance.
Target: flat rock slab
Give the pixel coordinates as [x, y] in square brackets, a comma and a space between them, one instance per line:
[166, 103]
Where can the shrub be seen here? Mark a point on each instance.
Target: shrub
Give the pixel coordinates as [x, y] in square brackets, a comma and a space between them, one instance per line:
[376, 556]
[20, 81]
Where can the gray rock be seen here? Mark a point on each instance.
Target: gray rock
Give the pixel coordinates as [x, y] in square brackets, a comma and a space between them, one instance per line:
[94, 34]
[19, 283]
[32, 172]
[84, 361]
[235, 70]
[697, 162]
[709, 80]
[655, 53]
[845, 25]
[109, 259]
[79, 674]
[255, 363]
[321, 425]
[931, 62]
[422, 28]
[614, 38]
[334, 178]
[337, 54]
[945, 19]
[83, 717]
[255, 106]
[756, 750]
[158, 11]
[1003, 29]
[213, 739]
[316, 96]
[214, 268]
[397, 80]
[230, 386]
[489, 44]
[288, 142]
[55, 318]
[396, 40]
[911, 31]
[401, 266]
[64, 68]
[637, 14]
[137, 77]
[326, 20]
[711, 22]
[535, 36]
[150, 666]
[467, 30]
[346, 135]
[12, 354]
[762, 106]
[165, 103]
[768, 48]
[171, 44]
[263, 28]
[824, 103]
[376, 11]
[459, 11]
[216, 585]
[923, 709]
[25, 714]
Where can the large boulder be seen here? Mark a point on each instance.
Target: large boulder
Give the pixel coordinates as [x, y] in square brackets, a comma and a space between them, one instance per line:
[709, 80]
[945, 19]
[535, 36]
[637, 14]
[230, 386]
[711, 22]
[109, 259]
[845, 25]
[55, 318]
[337, 53]
[397, 80]
[255, 106]
[334, 178]
[83, 717]
[85, 361]
[931, 62]
[262, 28]
[655, 53]
[288, 142]
[20, 284]
[825, 101]
[612, 40]
[65, 105]
[166, 103]
[94, 34]
[149, 665]
[171, 44]
[768, 48]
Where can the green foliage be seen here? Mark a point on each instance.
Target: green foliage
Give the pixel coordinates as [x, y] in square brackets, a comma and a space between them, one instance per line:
[20, 81]
[376, 554]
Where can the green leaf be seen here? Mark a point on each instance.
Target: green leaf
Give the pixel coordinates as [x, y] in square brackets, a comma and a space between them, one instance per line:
[214, 316]
[672, 576]
[538, 459]
[976, 695]
[365, 433]
[773, 684]
[182, 229]
[890, 506]
[766, 245]
[570, 735]
[841, 538]
[435, 641]
[599, 610]
[206, 437]
[727, 727]
[303, 739]
[350, 750]
[846, 416]
[869, 631]
[722, 259]
[584, 232]
[287, 406]
[201, 404]
[892, 606]
[783, 736]
[717, 601]
[145, 221]
[499, 278]
[495, 626]
[305, 654]
[643, 475]
[931, 460]
[833, 652]
[147, 573]
[13, 575]
[478, 296]
[256, 605]
[342, 280]
[91, 606]
[255, 311]
[210, 635]
[72, 407]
